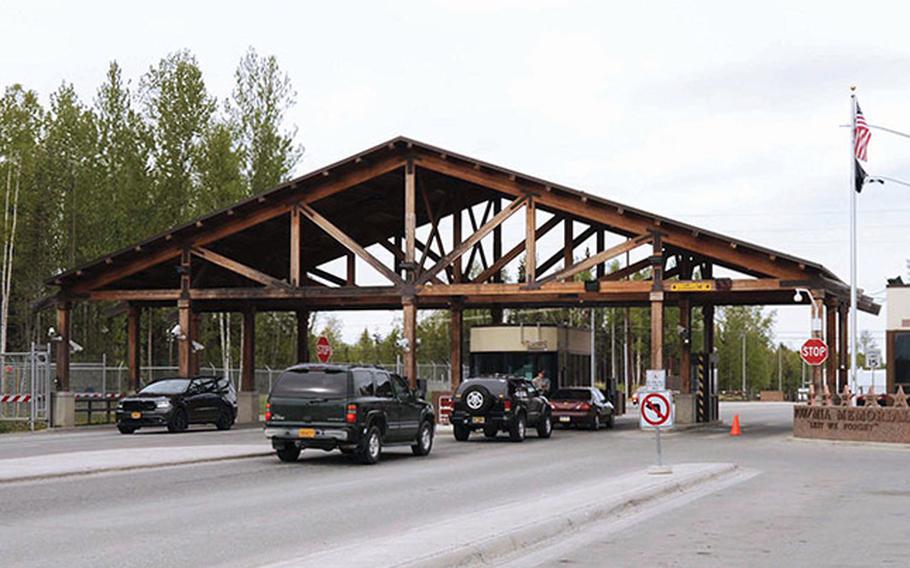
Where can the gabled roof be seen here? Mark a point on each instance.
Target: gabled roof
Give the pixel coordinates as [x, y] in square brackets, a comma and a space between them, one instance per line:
[401, 148]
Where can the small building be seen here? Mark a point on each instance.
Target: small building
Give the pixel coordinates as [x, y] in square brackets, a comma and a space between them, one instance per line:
[563, 353]
[897, 335]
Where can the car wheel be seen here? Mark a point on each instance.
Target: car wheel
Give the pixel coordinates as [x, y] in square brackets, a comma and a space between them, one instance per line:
[225, 420]
[595, 422]
[372, 446]
[518, 430]
[178, 421]
[125, 429]
[477, 399]
[424, 439]
[490, 431]
[610, 422]
[462, 433]
[545, 426]
[288, 454]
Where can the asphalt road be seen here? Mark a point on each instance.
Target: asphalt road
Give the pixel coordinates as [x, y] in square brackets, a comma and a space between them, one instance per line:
[811, 503]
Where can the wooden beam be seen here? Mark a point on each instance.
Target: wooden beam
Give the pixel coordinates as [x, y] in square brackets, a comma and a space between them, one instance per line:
[477, 247]
[456, 330]
[156, 295]
[627, 270]
[497, 241]
[351, 268]
[184, 344]
[237, 267]
[597, 259]
[508, 257]
[63, 346]
[350, 243]
[410, 335]
[657, 330]
[601, 243]
[483, 231]
[568, 244]
[457, 275]
[560, 254]
[295, 270]
[531, 240]
[328, 276]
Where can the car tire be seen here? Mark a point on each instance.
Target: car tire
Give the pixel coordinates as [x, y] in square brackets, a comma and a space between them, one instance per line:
[462, 433]
[178, 422]
[126, 429]
[225, 420]
[518, 429]
[288, 454]
[545, 426]
[477, 399]
[611, 421]
[371, 447]
[424, 439]
[490, 431]
[595, 422]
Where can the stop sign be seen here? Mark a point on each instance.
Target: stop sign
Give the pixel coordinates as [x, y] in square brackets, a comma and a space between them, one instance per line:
[814, 351]
[323, 349]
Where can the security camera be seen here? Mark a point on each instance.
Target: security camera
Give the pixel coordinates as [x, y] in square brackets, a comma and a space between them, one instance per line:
[197, 346]
[75, 347]
[177, 332]
[51, 332]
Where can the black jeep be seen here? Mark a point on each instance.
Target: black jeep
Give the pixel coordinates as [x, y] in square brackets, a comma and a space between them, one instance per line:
[353, 408]
[495, 404]
[177, 402]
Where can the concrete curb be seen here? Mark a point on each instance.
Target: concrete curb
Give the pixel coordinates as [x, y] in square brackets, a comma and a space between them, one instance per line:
[542, 530]
[5, 479]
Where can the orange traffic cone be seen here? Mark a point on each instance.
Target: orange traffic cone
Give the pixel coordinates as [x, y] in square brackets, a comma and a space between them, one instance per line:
[734, 430]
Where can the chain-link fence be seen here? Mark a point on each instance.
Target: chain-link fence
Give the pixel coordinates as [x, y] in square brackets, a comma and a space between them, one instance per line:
[106, 377]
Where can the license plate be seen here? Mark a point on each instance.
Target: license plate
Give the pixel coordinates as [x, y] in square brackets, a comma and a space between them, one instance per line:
[478, 420]
[564, 419]
[306, 433]
[136, 415]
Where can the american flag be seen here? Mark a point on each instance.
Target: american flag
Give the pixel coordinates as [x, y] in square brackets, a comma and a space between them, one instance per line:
[861, 135]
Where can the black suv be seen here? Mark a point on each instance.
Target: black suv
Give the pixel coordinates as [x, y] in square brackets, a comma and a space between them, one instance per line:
[353, 408]
[177, 403]
[494, 404]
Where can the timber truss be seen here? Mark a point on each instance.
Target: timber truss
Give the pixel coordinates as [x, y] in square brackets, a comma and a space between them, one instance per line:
[428, 225]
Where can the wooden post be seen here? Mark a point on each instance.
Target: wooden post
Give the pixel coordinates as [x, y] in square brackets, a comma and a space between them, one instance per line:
[568, 250]
[63, 346]
[601, 243]
[303, 336]
[657, 304]
[248, 352]
[410, 216]
[133, 348]
[685, 352]
[531, 240]
[410, 336]
[831, 339]
[351, 267]
[457, 271]
[184, 342]
[295, 269]
[497, 240]
[455, 332]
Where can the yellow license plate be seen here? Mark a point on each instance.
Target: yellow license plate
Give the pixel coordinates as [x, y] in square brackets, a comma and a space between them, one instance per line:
[306, 433]
[136, 415]
[478, 420]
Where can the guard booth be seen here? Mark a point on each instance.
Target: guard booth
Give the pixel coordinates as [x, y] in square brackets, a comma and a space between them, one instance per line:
[562, 353]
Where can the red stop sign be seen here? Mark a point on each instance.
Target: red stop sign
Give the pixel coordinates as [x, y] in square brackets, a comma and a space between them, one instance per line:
[323, 349]
[814, 351]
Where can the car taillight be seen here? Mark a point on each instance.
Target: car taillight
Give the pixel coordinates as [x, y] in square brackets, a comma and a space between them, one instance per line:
[268, 411]
[585, 406]
[351, 416]
[507, 404]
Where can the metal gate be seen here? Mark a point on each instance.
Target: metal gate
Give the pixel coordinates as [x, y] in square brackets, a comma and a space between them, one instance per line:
[25, 386]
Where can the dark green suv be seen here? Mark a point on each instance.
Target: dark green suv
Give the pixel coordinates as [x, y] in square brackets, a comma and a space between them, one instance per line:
[353, 408]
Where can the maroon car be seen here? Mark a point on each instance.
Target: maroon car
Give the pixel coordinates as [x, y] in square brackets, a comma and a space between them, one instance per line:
[581, 406]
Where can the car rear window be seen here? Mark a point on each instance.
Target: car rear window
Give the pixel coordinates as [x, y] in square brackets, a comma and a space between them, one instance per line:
[308, 383]
[571, 394]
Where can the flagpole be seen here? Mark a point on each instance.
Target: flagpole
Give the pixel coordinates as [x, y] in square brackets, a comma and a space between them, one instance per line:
[853, 318]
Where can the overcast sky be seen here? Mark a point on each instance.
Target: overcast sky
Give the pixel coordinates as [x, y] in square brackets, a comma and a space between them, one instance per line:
[725, 116]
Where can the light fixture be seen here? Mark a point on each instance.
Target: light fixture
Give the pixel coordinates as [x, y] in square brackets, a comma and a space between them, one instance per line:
[798, 295]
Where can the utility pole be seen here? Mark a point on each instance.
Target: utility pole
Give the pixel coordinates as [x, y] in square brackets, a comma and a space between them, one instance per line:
[780, 368]
[744, 364]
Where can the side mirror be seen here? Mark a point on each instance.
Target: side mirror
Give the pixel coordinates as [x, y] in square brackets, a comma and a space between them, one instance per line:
[421, 390]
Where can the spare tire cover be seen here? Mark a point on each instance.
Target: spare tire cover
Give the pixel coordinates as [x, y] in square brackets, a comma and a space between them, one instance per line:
[477, 399]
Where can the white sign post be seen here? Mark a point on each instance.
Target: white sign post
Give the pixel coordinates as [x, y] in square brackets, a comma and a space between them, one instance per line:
[656, 412]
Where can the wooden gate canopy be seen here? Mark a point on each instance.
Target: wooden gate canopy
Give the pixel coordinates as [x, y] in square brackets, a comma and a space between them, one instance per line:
[428, 223]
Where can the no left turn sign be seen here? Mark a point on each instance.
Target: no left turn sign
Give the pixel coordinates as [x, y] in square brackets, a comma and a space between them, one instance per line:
[656, 410]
